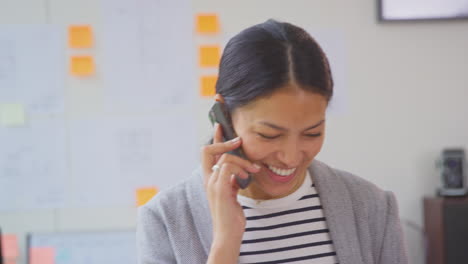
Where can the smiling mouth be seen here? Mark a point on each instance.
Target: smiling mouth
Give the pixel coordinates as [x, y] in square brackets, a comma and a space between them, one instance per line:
[281, 172]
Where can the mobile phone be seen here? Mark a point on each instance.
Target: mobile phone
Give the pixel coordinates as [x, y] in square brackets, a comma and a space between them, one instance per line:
[219, 114]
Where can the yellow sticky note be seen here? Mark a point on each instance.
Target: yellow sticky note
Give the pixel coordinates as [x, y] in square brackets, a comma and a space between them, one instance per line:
[207, 23]
[12, 115]
[208, 85]
[82, 65]
[42, 255]
[145, 194]
[209, 56]
[80, 36]
[10, 246]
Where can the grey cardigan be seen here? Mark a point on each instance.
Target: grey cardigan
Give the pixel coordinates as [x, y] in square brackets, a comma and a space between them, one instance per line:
[175, 226]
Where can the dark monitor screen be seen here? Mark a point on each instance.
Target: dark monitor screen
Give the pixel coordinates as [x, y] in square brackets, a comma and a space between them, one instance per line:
[395, 10]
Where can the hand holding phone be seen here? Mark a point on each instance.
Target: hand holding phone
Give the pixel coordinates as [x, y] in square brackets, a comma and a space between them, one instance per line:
[218, 114]
[222, 185]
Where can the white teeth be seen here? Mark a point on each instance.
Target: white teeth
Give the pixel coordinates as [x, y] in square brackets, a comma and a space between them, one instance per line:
[281, 172]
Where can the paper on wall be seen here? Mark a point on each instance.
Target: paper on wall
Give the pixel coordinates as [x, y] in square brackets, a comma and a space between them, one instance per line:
[148, 54]
[32, 60]
[113, 157]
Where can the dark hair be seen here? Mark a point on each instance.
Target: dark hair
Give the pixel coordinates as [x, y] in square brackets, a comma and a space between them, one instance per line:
[267, 56]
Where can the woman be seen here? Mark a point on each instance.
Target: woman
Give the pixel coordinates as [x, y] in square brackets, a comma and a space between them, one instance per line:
[275, 81]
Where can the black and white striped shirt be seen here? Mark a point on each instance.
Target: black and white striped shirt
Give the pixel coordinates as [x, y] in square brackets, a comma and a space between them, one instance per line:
[292, 229]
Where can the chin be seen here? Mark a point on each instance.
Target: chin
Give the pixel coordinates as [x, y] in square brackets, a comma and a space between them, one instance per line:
[276, 186]
[275, 189]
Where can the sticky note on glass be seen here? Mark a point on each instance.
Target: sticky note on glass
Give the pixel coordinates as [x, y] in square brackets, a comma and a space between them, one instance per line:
[12, 115]
[10, 246]
[63, 255]
[82, 65]
[209, 56]
[143, 195]
[80, 36]
[208, 85]
[42, 255]
[207, 23]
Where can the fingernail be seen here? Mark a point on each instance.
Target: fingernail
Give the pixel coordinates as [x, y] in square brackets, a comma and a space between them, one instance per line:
[235, 140]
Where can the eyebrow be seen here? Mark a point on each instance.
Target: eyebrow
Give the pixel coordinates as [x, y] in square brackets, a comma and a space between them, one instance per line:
[285, 129]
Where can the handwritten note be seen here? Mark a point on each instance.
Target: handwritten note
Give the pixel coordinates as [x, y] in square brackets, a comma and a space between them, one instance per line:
[209, 55]
[82, 65]
[32, 67]
[33, 161]
[145, 194]
[145, 58]
[10, 246]
[208, 85]
[42, 255]
[133, 150]
[80, 36]
[207, 23]
[12, 115]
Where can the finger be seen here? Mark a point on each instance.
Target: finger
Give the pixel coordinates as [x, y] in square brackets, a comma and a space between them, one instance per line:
[225, 173]
[209, 153]
[223, 147]
[209, 175]
[245, 165]
[214, 176]
[234, 184]
[241, 162]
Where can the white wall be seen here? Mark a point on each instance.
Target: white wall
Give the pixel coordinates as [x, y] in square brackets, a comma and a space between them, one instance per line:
[407, 88]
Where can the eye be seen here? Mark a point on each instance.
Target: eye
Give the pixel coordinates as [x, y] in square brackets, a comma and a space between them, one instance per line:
[313, 135]
[268, 137]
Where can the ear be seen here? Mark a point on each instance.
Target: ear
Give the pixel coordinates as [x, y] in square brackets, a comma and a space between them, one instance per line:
[219, 98]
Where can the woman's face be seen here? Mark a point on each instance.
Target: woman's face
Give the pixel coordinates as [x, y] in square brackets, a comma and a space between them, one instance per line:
[283, 133]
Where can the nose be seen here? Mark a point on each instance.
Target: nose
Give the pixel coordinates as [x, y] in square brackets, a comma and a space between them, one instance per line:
[290, 155]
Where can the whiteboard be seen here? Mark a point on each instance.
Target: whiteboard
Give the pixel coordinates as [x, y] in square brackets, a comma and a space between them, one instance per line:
[117, 247]
[113, 157]
[33, 165]
[32, 67]
[148, 54]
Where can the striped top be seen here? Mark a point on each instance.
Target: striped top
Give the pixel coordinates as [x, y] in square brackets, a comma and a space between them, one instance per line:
[292, 229]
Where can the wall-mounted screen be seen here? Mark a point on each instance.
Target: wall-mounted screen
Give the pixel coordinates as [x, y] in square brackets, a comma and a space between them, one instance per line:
[394, 10]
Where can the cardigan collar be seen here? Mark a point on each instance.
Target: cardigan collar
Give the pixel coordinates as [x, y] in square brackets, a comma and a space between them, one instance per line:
[338, 210]
[334, 196]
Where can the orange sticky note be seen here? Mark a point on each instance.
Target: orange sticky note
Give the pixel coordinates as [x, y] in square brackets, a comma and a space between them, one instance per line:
[209, 56]
[82, 65]
[207, 23]
[42, 255]
[80, 36]
[208, 85]
[145, 194]
[10, 247]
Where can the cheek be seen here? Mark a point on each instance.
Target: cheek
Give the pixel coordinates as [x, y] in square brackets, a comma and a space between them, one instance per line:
[255, 149]
[313, 148]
